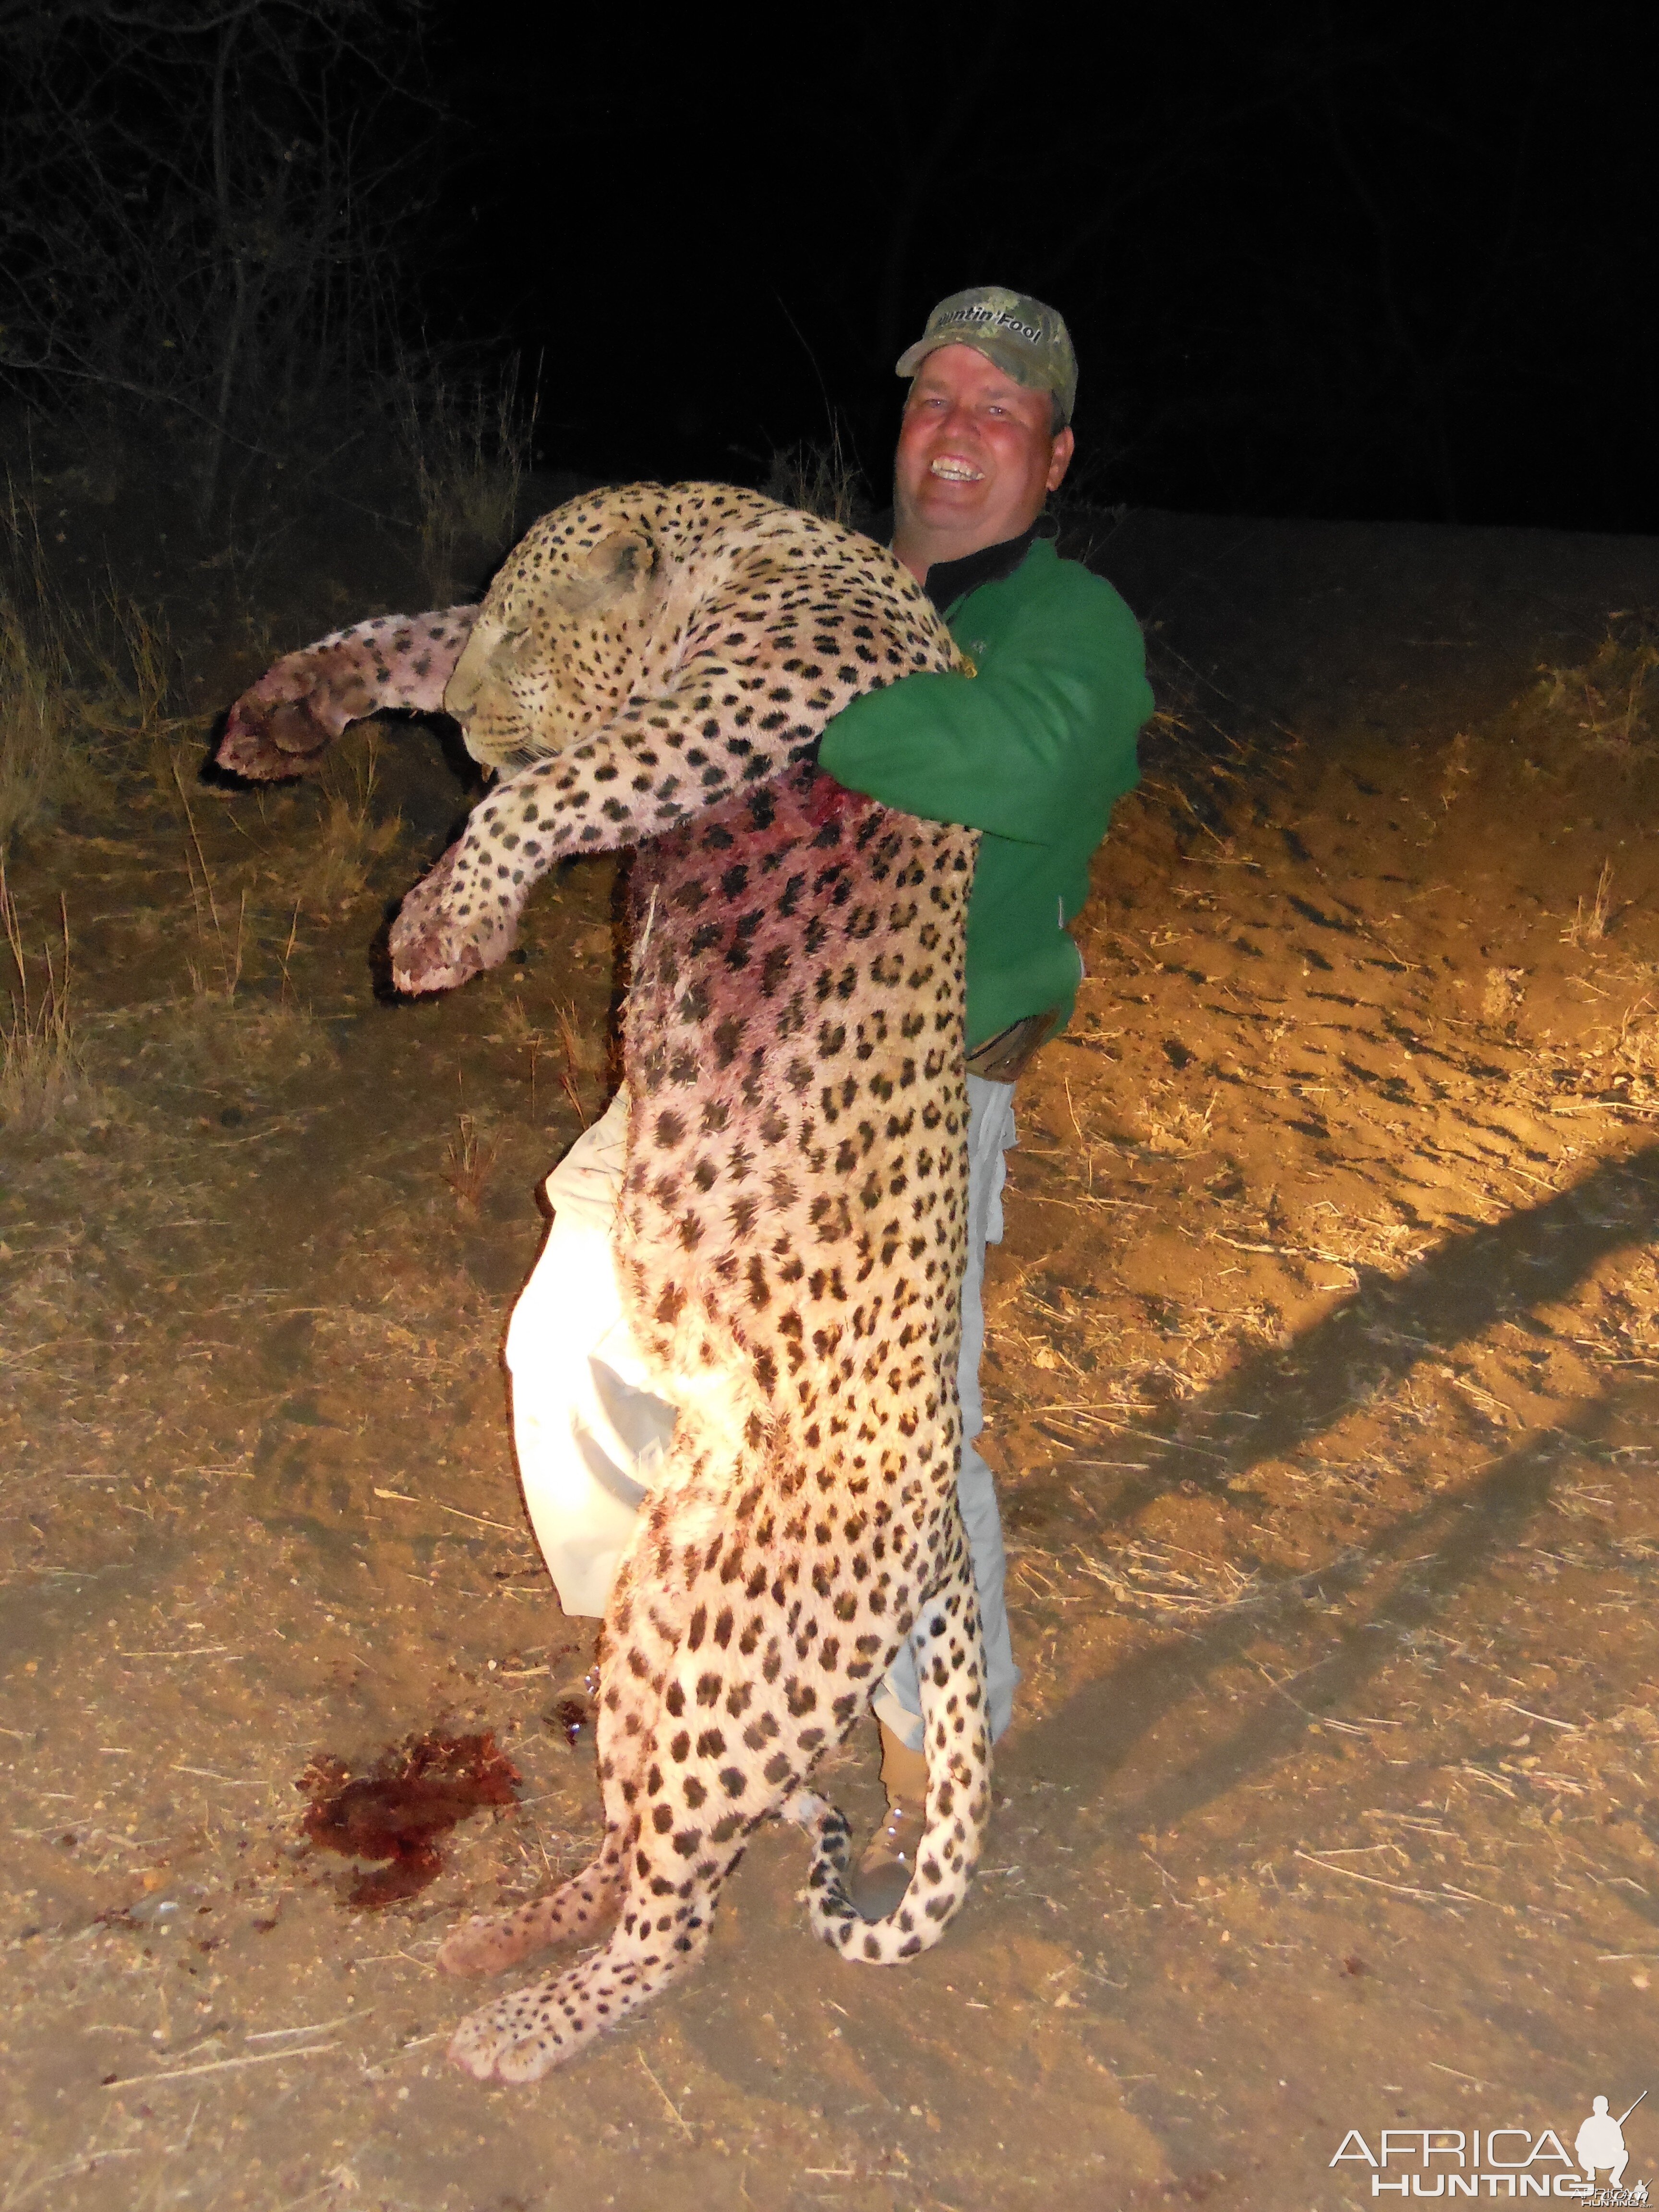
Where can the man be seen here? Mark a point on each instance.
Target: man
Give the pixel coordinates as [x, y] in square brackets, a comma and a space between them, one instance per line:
[1031, 751]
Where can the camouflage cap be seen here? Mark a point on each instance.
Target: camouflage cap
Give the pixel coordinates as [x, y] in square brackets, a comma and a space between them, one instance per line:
[1025, 339]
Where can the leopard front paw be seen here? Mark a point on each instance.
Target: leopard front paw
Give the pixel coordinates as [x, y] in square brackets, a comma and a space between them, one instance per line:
[264, 741]
[446, 932]
[284, 724]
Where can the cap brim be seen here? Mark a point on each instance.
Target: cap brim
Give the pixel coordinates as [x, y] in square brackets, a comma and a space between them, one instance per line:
[1010, 359]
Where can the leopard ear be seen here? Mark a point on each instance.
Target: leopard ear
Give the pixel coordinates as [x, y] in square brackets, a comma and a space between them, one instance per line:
[619, 568]
[626, 558]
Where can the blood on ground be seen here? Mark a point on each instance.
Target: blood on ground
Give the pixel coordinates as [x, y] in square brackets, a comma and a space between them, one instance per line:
[396, 1813]
[568, 1718]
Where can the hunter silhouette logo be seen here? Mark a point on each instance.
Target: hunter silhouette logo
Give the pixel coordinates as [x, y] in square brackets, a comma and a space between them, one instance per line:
[1600, 2142]
[1501, 2161]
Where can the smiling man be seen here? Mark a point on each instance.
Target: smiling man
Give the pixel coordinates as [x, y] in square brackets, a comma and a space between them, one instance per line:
[978, 454]
[1032, 751]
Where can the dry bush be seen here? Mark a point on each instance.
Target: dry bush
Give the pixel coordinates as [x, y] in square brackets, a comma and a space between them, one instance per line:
[1205, 761]
[467, 448]
[824, 480]
[71, 679]
[204, 211]
[43, 765]
[41, 768]
[1500, 1001]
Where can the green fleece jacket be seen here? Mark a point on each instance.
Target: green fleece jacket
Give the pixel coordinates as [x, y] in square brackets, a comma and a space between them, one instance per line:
[1032, 749]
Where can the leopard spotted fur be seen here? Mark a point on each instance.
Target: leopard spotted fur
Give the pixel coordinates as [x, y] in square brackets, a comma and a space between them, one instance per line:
[792, 1225]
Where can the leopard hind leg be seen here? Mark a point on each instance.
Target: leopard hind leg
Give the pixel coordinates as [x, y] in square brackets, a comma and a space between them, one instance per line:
[950, 1664]
[583, 1906]
[530, 2031]
[671, 1859]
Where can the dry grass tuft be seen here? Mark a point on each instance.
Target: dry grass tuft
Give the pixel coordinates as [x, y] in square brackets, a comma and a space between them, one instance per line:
[1590, 928]
[1172, 1126]
[580, 1057]
[1613, 701]
[469, 1159]
[41, 1072]
[219, 949]
[333, 869]
[129, 651]
[1457, 769]
[202, 1039]
[584, 1056]
[219, 1027]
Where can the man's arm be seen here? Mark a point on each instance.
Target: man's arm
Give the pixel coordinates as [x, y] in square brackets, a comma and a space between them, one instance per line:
[1048, 724]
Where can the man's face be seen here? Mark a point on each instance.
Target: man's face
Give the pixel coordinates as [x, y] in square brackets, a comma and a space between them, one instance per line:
[975, 455]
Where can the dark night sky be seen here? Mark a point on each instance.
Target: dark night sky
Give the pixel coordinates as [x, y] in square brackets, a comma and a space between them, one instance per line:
[1316, 260]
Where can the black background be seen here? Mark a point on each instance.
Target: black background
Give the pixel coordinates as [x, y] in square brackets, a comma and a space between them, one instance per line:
[1317, 261]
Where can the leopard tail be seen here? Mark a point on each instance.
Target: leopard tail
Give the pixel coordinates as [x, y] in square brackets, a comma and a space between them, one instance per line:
[950, 1664]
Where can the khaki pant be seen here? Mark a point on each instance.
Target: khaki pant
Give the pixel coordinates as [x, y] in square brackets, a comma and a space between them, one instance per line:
[590, 1435]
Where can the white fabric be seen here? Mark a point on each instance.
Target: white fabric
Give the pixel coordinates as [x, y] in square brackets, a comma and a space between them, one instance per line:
[591, 1434]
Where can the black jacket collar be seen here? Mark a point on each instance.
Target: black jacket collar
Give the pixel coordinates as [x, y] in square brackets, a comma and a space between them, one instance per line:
[950, 581]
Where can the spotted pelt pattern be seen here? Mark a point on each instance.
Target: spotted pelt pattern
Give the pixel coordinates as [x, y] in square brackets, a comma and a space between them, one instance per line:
[793, 1224]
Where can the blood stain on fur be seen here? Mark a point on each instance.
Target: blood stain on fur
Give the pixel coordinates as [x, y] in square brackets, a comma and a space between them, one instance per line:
[399, 1810]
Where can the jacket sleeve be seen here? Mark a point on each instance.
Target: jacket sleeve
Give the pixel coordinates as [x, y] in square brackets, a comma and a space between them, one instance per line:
[1048, 724]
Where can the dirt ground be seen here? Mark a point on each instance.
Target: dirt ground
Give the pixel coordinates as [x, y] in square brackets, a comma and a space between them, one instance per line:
[1325, 1357]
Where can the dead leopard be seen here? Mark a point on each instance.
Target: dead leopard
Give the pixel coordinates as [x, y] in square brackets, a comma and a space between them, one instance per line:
[654, 667]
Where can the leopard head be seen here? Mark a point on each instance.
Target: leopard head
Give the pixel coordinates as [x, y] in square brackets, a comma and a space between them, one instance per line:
[563, 633]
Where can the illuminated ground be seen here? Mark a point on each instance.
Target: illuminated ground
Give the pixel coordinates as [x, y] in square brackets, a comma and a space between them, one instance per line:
[1326, 1339]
